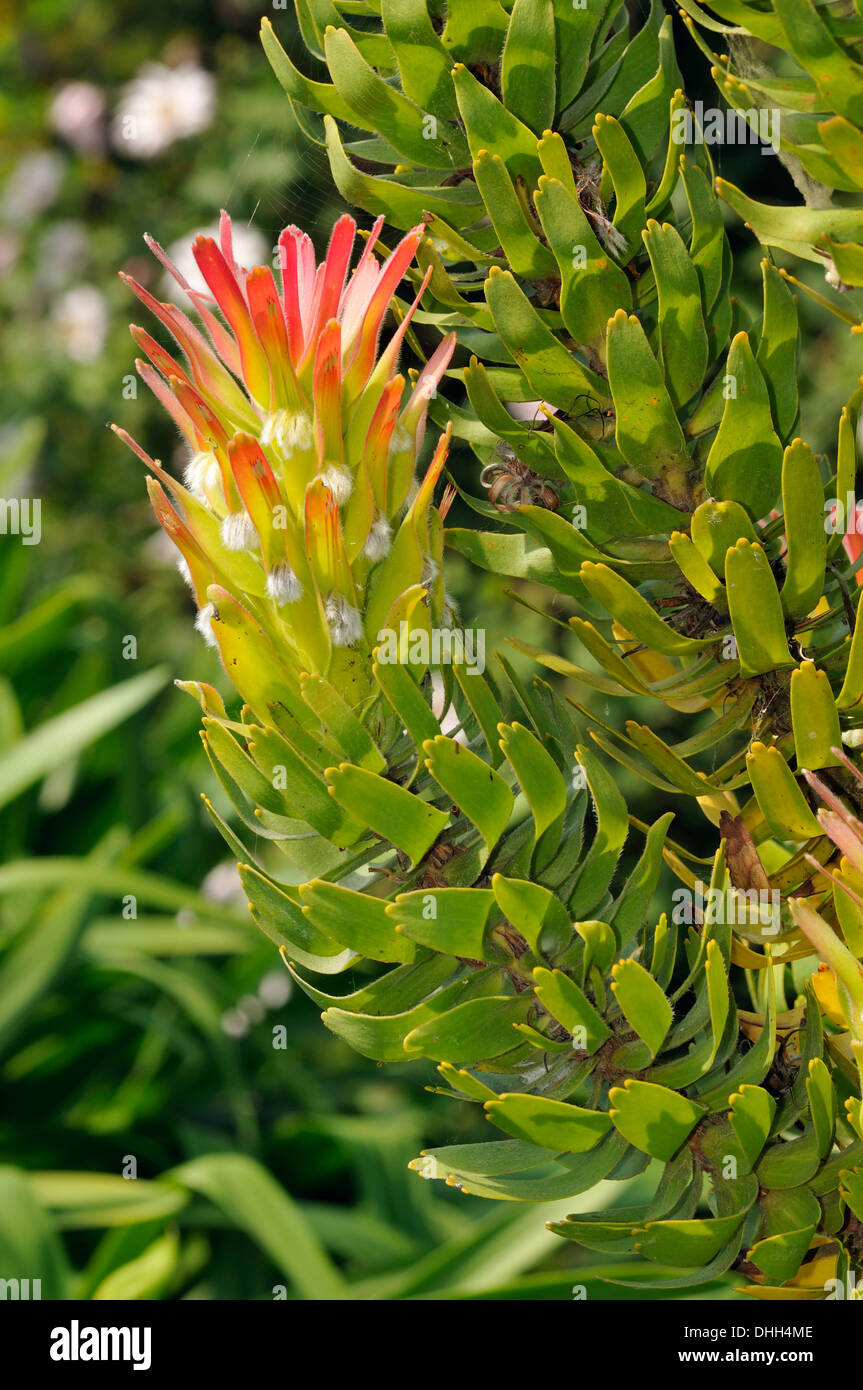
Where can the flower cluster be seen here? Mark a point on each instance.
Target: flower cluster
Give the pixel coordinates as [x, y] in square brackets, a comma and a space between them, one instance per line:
[300, 519]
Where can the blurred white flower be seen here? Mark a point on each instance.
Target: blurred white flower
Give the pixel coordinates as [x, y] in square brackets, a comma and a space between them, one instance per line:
[63, 250]
[81, 321]
[275, 989]
[251, 1008]
[32, 186]
[250, 249]
[161, 105]
[234, 1024]
[221, 884]
[78, 115]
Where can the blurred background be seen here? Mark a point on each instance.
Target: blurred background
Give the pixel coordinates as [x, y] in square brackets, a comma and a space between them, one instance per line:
[156, 1141]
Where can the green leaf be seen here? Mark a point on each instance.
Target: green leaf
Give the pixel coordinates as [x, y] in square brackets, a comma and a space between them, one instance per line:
[745, 459]
[647, 430]
[779, 1257]
[552, 1124]
[633, 903]
[538, 774]
[549, 369]
[777, 349]
[356, 920]
[750, 1068]
[654, 1119]
[845, 143]
[614, 508]
[394, 992]
[634, 612]
[847, 257]
[716, 527]
[87, 1201]
[756, 610]
[543, 1182]
[382, 1037]
[474, 30]
[822, 1104]
[789, 1163]
[340, 722]
[470, 1032]
[814, 718]
[576, 28]
[782, 803]
[479, 792]
[387, 111]
[255, 1203]
[564, 1000]
[623, 167]
[389, 810]
[592, 286]
[425, 65]
[40, 954]
[837, 75]
[642, 1002]
[682, 334]
[30, 1248]
[805, 532]
[851, 1189]
[534, 912]
[686, 1243]
[146, 1277]
[526, 255]
[305, 793]
[490, 126]
[483, 703]
[612, 825]
[60, 739]
[796, 228]
[406, 698]
[277, 911]
[751, 1114]
[402, 205]
[645, 115]
[528, 64]
[319, 96]
[454, 920]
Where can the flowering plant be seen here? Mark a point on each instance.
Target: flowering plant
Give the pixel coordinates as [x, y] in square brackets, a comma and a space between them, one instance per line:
[300, 525]
[652, 476]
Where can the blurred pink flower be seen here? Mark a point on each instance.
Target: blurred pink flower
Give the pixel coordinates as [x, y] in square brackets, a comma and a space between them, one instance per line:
[78, 115]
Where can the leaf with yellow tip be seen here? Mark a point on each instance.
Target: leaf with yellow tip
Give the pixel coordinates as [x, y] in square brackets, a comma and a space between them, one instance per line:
[780, 799]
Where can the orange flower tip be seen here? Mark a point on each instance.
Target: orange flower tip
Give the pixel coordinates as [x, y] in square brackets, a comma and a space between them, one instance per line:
[135, 447]
[242, 444]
